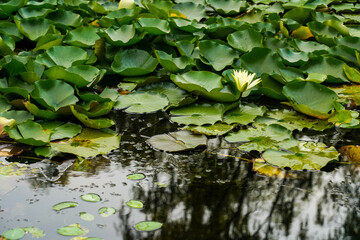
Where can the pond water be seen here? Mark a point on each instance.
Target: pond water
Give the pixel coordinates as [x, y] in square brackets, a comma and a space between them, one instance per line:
[207, 193]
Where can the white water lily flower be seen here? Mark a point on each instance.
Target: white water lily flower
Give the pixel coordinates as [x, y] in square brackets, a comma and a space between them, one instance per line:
[244, 81]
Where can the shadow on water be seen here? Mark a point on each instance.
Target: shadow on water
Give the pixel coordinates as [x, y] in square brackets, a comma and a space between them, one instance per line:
[203, 194]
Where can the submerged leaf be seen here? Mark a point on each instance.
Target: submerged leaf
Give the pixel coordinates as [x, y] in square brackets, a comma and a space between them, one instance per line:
[177, 141]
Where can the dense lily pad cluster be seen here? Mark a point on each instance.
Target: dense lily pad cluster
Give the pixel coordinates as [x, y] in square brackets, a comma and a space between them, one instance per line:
[64, 63]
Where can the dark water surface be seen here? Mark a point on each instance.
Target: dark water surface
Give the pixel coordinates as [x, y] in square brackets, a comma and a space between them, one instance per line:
[205, 194]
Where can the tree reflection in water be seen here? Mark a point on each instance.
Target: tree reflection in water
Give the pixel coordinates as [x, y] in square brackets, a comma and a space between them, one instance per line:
[204, 194]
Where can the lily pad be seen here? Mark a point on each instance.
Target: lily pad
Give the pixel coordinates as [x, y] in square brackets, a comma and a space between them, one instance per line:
[245, 40]
[216, 55]
[71, 230]
[191, 10]
[53, 94]
[244, 114]
[135, 204]
[263, 138]
[63, 205]
[174, 64]
[148, 226]
[126, 35]
[154, 26]
[206, 84]
[134, 62]
[311, 98]
[34, 28]
[67, 130]
[82, 37]
[107, 211]
[64, 56]
[177, 141]
[307, 155]
[89, 143]
[97, 123]
[135, 176]
[198, 114]
[15, 233]
[228, 7]
[30, 133]
[91, 197]
[86, 216]
[18, 115]
[35, 232]
[210, 130]
[142, 102]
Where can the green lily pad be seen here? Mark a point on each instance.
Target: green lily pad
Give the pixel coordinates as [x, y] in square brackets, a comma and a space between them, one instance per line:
[65, 19]
[331, 66]
[63, 205]
[210, 130]
[18, 115]
[177, 141]
[206, 84]
[154, 26]
[53, 94]
[79, 75]
[71, 230]
[148, 226]
[135, 176]
[35, 232]
[311, 98]
[174, 64]
[176, 96]
[44, 114]
[15, 233]
[142, 102]
[67, 130]
[307, 155]
[352, 73]
[216, 55]
[91, 197]
[262, 60]
[134, 62]
[245, 40]
[30, 133]
[65, 56]
[97, 123]
[191, 10]
[228, 7]
[198, 114]
[126, 35]
[293, 58]
[48, 41]
[107, 211]
[263, 138]
[86, 216]
[295, 121]
[7, 45]
[244, 114]
[82, 37]
[135, 204]
[34, 28]
[89, 143]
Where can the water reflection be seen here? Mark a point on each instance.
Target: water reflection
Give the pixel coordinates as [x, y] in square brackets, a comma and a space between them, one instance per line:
[205, 194]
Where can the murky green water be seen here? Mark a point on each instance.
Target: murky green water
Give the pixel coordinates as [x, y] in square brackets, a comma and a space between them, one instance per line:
[205, 194]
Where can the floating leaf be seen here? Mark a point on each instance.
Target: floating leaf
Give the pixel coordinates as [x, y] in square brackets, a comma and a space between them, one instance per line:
[135, 204]
[35, 232]
[210, 130]
[82, 37]
[135, 176]
[133, 62]
[53, 94]
[307, 155]
[97, 123]
[48, 41]
[142, 102]
[302, 33]
[71, 230]
[244, 114]
[263, 138]
[107, 211]
[67, 130]
[126, 35]
[191, 10]
[30, 133]
[91, 197]
[228, 7]
[148, 226]
[311, 98]
[216, 55]
[86, 216]
[173, 64]
[206, 84]
[64, 56]
[177, 141]
[293, 58]
[15, 233]
[89, 143]
[198, 114]
[34, 28]
[263, 168]
[245, 40]
[154, 26]
[352, 74]
[19, 116]
[63, 205]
